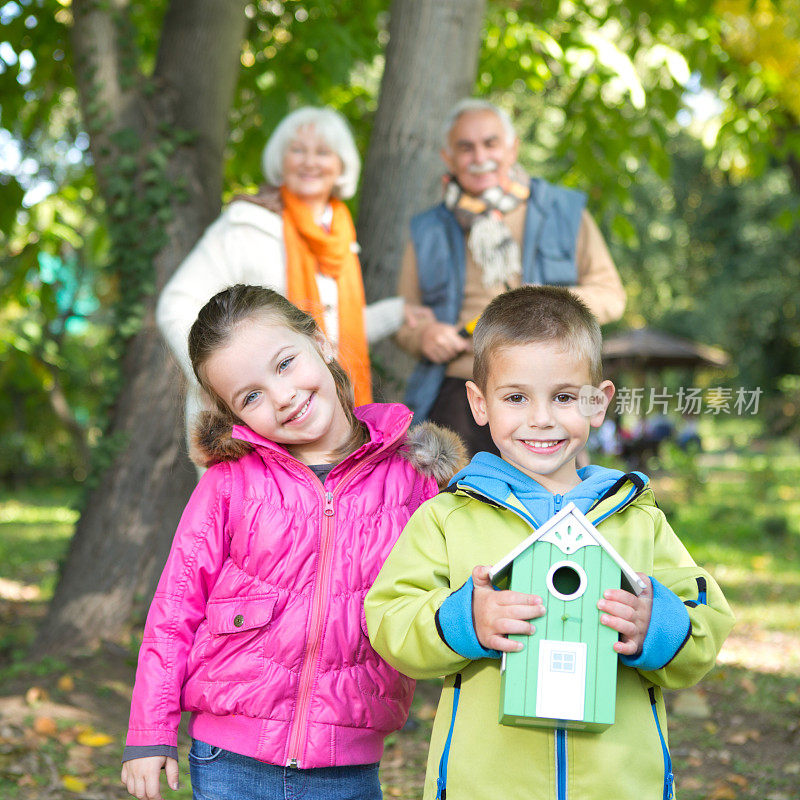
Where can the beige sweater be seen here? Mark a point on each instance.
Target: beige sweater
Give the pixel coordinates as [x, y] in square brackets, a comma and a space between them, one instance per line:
[598, 285]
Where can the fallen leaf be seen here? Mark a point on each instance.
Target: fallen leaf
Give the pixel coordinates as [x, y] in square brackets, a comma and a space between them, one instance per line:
[711, 727]
[92, 738]
[739, 780]
[691, 703]
[739, 737]
[36, 695]
[67, 735]
[73, 784]
[66, 683]
[792, 769]
[748, 685]
[743, 737]
[428, 711]
[723, 791]
[45, 726]
[761, 563]
[80, 760]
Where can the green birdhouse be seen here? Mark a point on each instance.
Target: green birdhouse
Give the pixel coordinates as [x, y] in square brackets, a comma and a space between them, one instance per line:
[566, 674]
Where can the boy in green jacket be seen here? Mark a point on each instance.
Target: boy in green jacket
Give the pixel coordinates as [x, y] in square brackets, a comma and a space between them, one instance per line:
[433, 610]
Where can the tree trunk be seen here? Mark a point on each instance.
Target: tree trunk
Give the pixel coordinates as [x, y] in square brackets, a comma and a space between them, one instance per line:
[431, 62]
[124, 533]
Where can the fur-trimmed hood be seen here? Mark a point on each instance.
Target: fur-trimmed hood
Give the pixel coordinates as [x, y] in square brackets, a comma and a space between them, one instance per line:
[432, 450]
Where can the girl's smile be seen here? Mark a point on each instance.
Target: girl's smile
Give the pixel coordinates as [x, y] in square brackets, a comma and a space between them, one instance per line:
[294, 418]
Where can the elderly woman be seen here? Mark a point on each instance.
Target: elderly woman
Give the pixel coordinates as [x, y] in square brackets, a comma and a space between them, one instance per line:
[296, 236]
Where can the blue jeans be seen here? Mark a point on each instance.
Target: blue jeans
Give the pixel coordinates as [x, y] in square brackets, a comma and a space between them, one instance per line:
[218, 774]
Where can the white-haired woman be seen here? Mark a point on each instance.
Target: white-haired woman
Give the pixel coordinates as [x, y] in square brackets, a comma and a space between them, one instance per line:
[296, 236]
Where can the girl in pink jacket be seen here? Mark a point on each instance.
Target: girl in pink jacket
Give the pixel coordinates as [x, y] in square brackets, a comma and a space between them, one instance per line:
[257, 625]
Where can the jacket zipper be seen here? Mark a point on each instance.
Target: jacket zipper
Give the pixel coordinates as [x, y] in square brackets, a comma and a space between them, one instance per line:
[558, 499]
[561, 763]
[318, 612]
[315, 630]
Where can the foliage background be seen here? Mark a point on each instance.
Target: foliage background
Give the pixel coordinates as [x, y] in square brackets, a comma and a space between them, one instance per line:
[679, 119]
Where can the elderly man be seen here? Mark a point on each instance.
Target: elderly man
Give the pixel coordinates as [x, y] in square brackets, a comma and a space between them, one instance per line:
[495, 230]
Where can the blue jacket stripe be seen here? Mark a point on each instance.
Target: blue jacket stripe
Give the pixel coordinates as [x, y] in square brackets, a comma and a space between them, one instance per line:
[668, 776]
[441, 783]
[617, 507]
[702, 591]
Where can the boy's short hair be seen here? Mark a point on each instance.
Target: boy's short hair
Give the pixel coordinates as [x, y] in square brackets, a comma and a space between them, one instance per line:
[534, 314]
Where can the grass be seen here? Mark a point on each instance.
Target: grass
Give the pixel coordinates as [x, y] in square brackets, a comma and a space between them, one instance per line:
[737, 735]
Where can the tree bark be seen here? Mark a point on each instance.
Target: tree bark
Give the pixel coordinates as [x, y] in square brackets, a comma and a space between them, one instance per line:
[431, 61]
[124, 533]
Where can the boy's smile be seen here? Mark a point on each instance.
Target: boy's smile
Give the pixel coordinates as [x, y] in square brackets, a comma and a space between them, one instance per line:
[531, 405]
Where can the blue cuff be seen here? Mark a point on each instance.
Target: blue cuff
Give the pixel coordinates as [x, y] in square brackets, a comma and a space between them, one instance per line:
[456, 628]
[670, 628]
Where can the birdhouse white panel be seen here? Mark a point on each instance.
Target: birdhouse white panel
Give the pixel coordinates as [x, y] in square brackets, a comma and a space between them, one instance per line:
[561, 683]
[569, 535]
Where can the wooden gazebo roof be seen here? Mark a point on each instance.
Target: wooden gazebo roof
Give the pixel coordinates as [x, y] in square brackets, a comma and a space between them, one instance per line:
[645, 349]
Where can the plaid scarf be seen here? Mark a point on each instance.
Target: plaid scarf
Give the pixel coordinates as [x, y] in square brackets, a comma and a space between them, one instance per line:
[489, 240]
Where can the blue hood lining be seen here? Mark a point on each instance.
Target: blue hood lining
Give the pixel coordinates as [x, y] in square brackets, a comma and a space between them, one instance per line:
[494, 478]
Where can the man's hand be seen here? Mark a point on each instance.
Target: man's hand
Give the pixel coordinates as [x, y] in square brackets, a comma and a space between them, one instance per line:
[441, 343]
[414, 315]
[496, 614]
[629, 615]
[141, 776]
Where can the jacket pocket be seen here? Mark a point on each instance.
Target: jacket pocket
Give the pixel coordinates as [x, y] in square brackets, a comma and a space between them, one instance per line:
[558, 266]
[235, 645]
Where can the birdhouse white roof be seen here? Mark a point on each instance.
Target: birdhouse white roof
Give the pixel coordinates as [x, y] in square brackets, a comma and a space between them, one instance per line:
[569, 530]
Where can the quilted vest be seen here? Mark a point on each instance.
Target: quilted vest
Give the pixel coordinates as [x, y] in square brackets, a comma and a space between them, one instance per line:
[549, 242]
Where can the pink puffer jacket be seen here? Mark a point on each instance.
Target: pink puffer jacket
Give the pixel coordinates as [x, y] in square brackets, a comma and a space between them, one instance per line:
[257, 625]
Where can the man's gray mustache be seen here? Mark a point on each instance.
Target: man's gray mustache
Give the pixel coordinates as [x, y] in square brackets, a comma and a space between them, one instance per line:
[479, 169]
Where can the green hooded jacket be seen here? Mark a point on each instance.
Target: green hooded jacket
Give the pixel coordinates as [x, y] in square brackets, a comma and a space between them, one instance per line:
[471, 755]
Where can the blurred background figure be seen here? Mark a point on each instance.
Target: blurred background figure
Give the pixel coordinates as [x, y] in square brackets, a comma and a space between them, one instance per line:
[496, 229]
[295, 236]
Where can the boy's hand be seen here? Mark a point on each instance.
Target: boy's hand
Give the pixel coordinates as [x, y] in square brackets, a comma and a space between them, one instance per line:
[497, 614]
[629, 615]
[142, 776]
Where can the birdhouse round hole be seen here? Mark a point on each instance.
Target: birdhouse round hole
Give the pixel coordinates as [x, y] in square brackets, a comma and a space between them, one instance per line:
[566, 581]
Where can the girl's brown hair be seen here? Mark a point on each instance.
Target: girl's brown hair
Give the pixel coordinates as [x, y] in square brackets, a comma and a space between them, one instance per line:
[226, 310]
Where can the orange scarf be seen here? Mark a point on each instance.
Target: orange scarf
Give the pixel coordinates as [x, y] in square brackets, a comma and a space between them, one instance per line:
[311, 249]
